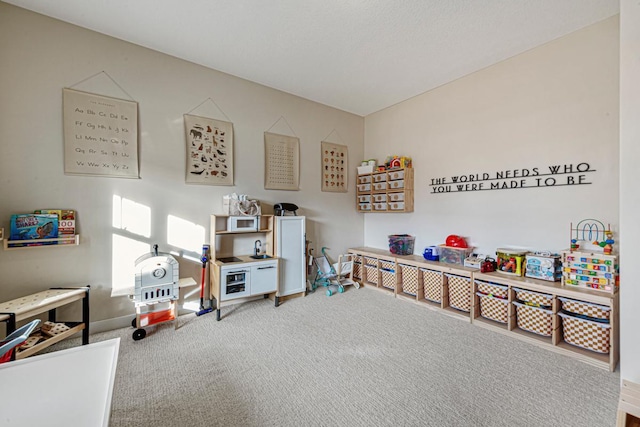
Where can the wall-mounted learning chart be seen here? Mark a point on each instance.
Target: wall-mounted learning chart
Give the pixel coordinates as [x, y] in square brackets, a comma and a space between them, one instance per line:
[282, 157]
[209, 151]
[334, 167]
[100, 135]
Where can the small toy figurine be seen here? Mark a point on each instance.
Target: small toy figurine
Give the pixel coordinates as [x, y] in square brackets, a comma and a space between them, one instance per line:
[509, 266]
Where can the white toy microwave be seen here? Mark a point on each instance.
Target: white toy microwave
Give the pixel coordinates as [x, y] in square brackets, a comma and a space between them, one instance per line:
[242, 223]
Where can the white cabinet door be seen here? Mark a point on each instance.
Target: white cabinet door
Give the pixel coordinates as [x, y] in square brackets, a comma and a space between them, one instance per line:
[264, 277]
[290, 248]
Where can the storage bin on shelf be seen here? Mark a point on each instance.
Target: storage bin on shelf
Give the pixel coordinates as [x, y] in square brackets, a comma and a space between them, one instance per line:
[409, 279]
[357, 267]
[401, 244]
[493, 289]
[588, 309]
[533, 312]
[371, 274]
[388, 274]
[451, 255]
[543, 266]
[493, 308]
[510, 261]
[584, 333]
[459, 292]
[432, 282]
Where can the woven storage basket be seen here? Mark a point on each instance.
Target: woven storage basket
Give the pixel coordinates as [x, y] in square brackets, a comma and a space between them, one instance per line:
[488, 288]
[432, 282]
[533, 298]
[371, 261]
[586, 308]
[387, 265]
[586, 333]
[494, 308]
[388, 279]
[409, 276]
[459, 292]
[371, 275]
[357, 271]
[534, 319]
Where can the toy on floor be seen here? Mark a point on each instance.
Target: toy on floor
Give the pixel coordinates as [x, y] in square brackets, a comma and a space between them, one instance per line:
[156, 291]
[337, 275]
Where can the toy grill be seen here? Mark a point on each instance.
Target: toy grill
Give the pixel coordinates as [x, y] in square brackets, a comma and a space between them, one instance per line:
[156, 278]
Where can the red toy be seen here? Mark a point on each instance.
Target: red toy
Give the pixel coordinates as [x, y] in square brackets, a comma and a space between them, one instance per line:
[455, 241]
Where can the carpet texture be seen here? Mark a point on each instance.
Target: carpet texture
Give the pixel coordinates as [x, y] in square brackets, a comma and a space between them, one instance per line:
[361, 358]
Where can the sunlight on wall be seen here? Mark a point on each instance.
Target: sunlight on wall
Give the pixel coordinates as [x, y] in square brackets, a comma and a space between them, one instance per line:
[128, 217]
[131, 216]
[184, 234]
[125, 253]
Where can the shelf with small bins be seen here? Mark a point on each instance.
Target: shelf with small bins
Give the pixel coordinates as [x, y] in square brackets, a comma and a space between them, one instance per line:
[386, 191]
[553, 339]
[452, 289]
[433, 284]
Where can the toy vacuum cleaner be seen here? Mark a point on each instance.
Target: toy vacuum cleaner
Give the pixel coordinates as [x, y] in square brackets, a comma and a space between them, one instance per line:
[205, 259]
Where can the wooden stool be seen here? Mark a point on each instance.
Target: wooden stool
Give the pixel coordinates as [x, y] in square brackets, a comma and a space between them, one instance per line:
[629, 404]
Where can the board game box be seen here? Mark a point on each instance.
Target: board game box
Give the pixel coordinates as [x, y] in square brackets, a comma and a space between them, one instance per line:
[34, 227]
[66, 223]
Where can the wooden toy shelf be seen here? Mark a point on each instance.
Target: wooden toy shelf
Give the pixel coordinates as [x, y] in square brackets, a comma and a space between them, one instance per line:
[452, 289]
[387, 191]
[41, 243]
[14, 311]
[556, 341]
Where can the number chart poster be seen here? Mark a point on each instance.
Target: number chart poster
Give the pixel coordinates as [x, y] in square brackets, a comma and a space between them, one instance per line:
[334, 167]
[209, 151]
[282, 158]
[100, 135]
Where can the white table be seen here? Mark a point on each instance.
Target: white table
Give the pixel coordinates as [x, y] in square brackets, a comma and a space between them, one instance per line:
[64, 388]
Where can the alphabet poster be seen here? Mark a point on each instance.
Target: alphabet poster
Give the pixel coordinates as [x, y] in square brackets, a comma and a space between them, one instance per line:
[100, 135]
[209, 151]
[334, 167]
[282, 157]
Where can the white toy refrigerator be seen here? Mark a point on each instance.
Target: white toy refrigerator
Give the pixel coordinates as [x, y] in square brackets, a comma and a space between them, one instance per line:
[290, 249]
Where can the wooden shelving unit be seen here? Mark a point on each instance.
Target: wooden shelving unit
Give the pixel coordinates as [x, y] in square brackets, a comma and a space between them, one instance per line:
[387, 191]
[14, 311]
[438, 275]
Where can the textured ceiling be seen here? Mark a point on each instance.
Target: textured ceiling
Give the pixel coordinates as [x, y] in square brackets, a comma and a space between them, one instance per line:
[356, 55]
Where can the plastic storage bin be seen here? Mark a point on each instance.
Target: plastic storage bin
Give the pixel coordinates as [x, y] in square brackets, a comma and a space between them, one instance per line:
[388, 279]
[371, 274]
[544, 266]
[493, 289]
[409, 277]
[493, 308]
[533, 299]
[588, 309]
[450, 255]
[459, 292]
[432, 282]
[534, 319]
[585, 333]
[510, 261]
[401, 244]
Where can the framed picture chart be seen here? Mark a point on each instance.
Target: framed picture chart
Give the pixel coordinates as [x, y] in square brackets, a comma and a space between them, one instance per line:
[100, 135]
[282, 162]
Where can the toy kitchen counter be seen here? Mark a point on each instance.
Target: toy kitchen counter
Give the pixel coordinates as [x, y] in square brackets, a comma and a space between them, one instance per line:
[243, 277]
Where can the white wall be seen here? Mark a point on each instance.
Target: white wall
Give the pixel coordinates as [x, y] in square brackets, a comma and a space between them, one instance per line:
[556, 104]
[40, 56]
[629, 177]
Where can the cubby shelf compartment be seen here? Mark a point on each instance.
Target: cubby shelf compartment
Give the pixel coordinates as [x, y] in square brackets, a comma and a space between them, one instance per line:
[42, 243]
